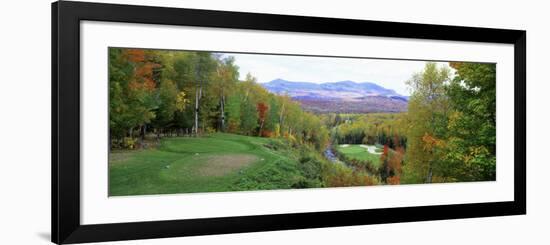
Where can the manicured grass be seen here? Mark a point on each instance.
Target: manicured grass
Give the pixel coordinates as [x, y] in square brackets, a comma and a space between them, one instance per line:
[214, 163]
[359, 153]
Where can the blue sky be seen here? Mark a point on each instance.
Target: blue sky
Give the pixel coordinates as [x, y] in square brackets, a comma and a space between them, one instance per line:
[391, 74]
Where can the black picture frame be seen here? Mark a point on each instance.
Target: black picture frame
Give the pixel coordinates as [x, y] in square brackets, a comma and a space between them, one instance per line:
[66, 18]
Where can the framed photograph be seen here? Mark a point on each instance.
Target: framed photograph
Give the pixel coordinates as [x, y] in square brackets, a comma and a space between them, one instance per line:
[177, 122]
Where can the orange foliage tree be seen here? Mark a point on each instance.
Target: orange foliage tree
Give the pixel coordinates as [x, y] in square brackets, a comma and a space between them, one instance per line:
[262, 112]
[142, 78]
[391, 160]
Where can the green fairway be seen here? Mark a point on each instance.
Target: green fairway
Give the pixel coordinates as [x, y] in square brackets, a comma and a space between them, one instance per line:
[360, 153]
[218, 162]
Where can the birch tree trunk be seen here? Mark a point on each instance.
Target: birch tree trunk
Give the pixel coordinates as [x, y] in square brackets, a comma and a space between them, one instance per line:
[281, 115]
[222, 107]
[196, 128]
[430, 172]
[261, 127]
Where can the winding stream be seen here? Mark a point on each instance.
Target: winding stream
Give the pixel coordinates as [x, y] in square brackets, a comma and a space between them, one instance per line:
[329, 154]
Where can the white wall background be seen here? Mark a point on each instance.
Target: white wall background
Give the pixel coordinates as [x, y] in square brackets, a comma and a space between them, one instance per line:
[25, 121]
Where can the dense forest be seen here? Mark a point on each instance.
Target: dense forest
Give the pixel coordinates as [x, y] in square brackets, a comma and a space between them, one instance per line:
[160, 99]
[178, 93]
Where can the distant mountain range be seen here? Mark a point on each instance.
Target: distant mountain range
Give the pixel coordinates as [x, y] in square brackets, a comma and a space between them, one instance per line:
[343, 96]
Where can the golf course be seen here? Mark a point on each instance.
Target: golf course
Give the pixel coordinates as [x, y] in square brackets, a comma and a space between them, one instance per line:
[198, 121]
[217, 162]
[369, 153]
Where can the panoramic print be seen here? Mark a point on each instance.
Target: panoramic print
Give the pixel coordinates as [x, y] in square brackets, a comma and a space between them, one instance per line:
[198, 121]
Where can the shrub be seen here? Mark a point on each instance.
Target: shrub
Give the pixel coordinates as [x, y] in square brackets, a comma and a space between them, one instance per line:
[394, 180]
[307, 183]
[281, 174]
[339, 175]
[267, 134]
[277, 145]
[129, 143]
[310, 167]
[210, 130]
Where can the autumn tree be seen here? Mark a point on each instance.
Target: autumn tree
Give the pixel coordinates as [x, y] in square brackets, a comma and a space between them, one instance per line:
[262, 109]
[427, 118]
[283, 102]
[471, 147]
[131, 90]
[395, 166]
[203, 67]
[227, 75]
[120, 71]
[233, 112]
[384, 166]
[272, 122]
[247, 101]
[249, 117]
[167, 105]
[395, 162]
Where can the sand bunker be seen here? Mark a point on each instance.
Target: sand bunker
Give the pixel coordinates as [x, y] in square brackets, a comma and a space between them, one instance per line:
[224, 164]
[371, 149]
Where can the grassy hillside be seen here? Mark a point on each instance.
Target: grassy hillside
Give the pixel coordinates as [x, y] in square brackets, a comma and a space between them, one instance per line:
[219, 162]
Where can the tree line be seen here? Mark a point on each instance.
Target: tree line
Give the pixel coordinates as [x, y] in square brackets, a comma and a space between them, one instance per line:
[448, 133]
[452, 124]
[370, 129]
[165, 92]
